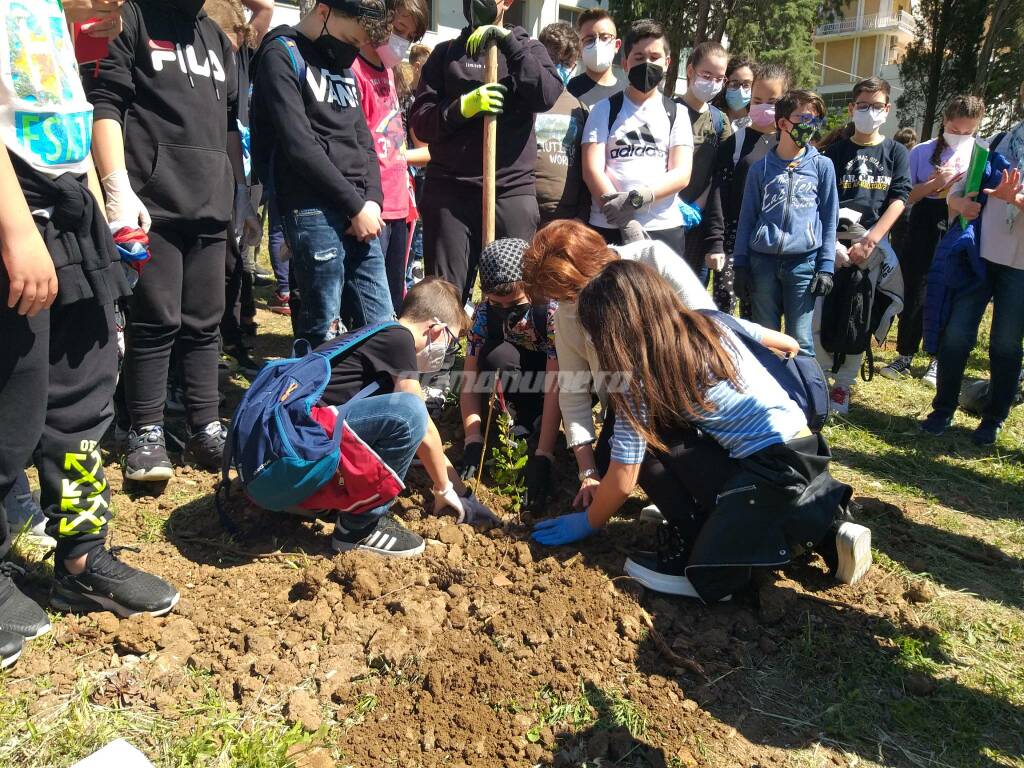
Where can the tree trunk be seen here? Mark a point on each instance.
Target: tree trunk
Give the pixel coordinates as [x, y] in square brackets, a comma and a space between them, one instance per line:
[937, 54]
[995, 26]
[700, 23]
[728, 9]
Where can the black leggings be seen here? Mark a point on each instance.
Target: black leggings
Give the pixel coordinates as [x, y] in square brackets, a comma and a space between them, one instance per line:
[522, 377]
[915, 260]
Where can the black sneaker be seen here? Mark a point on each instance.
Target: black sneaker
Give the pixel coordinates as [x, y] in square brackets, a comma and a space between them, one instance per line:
[986, 432]
[246, 365]
[146, 457]
[11, 644]
[110, 585]
[899, 368]
[206, 447]
[18, 612]
[664, 569]
[935, 423]
[388, 538]
[261, 277]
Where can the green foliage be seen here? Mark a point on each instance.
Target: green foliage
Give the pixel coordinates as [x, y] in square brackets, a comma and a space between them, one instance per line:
[778, 32]
[508, 459]
[589, 707]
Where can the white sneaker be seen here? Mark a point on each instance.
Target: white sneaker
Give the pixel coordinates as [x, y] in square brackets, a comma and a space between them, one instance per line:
[25, 518]
[652, 513]
[929, 378]
[839, 400]
[853, 545]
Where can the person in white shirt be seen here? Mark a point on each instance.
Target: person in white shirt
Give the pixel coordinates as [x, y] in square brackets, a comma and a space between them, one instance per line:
[637, 151]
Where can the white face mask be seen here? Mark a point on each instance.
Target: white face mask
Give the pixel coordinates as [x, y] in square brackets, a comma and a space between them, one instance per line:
[705, 89]
[598, 56]
[431, 357]
[392, 52]
[957, 140]
[867, 120]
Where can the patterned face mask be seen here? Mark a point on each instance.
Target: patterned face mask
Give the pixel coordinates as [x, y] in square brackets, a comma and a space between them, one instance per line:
[804, 133]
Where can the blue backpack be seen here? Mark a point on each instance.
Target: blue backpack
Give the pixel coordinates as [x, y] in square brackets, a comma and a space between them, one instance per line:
[261, 134]
[284, 455]
[801, 377]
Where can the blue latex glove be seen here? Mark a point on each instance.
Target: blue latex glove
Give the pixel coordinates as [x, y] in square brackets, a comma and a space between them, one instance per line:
[691, 214]
[563, 530]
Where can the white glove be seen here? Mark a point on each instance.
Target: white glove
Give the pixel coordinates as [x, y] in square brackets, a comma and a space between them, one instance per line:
[123, 205]
[247, 225]
[842, 256]
[715, 261]
[469, 508]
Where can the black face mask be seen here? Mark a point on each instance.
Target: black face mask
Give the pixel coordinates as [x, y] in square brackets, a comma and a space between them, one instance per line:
[480, 12]
[340, 54]
[512, 316]
[646, 77]
[190, 7]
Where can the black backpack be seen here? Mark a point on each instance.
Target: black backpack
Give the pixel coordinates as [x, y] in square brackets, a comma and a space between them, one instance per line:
[846, 318]
[617, 100]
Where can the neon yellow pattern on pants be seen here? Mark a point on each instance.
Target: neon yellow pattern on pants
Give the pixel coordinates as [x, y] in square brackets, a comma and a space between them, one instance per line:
[82, 495]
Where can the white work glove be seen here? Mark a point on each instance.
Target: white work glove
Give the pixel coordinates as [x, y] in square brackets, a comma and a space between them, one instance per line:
[842, 256]
[123, 205]
[715, 261]
[469, 508]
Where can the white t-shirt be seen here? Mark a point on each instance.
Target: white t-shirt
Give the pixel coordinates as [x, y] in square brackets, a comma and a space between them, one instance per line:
[45, 118]
[636, 153]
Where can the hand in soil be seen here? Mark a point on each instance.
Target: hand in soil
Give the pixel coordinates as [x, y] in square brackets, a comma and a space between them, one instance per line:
[563, 530]
[538, 483]
[468, 508]
[472, 455]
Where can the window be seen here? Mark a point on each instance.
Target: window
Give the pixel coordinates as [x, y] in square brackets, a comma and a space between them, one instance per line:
[569, 14]
[837, 101]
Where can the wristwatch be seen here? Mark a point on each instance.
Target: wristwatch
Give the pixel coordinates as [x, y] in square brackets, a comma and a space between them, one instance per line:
[635, 199]
[587, 473]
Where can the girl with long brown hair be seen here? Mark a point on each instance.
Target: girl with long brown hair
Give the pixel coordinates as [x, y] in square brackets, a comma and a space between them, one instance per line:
[705, 428]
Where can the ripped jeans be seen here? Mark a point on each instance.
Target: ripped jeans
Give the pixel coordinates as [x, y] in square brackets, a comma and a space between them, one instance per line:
[341, 280]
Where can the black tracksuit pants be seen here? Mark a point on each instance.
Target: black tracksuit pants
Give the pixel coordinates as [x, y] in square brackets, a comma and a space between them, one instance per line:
[522, 377]
[57, 376]
[179, 298]
[915, 257]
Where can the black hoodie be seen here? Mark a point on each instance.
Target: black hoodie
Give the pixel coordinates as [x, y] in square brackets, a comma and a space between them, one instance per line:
[456, 144]
[169, 80]
[323, 153]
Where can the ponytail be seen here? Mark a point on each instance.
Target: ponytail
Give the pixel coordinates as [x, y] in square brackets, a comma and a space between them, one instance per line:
[940, 147]
[961, 105]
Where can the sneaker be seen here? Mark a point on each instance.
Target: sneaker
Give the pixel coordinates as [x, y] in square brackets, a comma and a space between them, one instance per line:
[839, 400]
[279, 305]
[935, 423]
[206, 447]
[18, 612]
[929, 378]
[262, 277]
[388, 538]
[664, 569]
[24, 516]
[146, 457]
[435, 398]
[652, 514]
[110, 585]
[853, 545]
[11, 645]
[898, 368]
[246, 365]
[249, 326]
[986, 432]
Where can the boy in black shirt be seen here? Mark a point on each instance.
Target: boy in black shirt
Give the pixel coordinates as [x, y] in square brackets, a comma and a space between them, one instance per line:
[310, 137]
[873, 176]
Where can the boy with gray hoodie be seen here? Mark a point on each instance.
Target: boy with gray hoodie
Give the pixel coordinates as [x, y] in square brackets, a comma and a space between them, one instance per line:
[786, 236]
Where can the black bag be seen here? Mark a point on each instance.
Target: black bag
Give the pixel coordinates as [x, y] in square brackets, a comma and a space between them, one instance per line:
[846, 318]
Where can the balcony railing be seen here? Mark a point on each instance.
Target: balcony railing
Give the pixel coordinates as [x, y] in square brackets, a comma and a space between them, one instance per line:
[902, 21]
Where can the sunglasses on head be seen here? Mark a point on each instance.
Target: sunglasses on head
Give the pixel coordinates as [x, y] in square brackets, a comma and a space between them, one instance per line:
[807, 118]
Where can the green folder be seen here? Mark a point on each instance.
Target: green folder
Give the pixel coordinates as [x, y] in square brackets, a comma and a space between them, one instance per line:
[975, 172]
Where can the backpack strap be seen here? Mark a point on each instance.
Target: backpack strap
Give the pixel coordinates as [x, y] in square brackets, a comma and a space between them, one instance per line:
[671, 108]
[615, 102]
[717, 120]
[298, 62]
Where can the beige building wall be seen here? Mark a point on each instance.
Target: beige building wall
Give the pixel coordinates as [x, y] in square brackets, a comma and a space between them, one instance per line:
[838, 58]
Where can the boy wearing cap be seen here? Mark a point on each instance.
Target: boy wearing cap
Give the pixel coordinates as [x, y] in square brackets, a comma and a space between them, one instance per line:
[311, 139]
[512, 339]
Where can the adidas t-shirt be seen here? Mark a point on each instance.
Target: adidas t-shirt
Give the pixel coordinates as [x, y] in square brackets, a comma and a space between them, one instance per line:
[636, 154]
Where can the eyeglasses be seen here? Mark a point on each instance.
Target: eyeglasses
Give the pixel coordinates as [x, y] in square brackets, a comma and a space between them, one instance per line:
[806, 118]
[736, 84]
[713, 78]
[604, 37]
[861, 106]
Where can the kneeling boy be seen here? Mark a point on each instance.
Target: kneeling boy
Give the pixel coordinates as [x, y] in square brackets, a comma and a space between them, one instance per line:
[394, 421]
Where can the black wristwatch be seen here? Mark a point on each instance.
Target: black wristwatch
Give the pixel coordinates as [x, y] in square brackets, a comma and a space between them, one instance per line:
[635, 199]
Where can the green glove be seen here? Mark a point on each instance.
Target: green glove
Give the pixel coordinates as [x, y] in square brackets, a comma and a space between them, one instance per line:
[488, 98]
[482, 36]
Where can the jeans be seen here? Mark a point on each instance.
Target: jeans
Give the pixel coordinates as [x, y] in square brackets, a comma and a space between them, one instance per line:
[275, 241]
[394, 244]
[393, 426]
[1005, 287]
[338, 277]
[782, 289]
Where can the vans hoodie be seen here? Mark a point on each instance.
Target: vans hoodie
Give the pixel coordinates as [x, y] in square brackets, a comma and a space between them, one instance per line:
[169, 80]
[790, 208]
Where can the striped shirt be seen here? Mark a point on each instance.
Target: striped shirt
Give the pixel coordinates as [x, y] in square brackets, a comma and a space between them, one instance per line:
[745, 420]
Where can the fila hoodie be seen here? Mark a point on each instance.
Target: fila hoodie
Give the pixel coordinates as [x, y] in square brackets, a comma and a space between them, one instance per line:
[323, 154]
[169, 80]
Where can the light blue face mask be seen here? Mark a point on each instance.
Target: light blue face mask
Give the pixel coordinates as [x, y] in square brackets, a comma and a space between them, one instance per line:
[737, 98]
[564, 72]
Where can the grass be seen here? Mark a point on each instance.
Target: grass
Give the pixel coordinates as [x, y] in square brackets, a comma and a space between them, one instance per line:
[590, 707]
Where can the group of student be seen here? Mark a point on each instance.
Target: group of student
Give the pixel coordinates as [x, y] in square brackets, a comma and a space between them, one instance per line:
[613, 210]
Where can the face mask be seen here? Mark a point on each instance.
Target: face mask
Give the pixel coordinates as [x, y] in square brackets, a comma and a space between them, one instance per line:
[480, 12]
[737, 98]
[511, 316]
[598, 56]
[957, 140]
[705, 89]
[563, 72]
[867, 120]
[391, 55]
[803, 134]
[646, 77]
[762, 115]
[431, 357]
[189, 7]
[339, 53]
